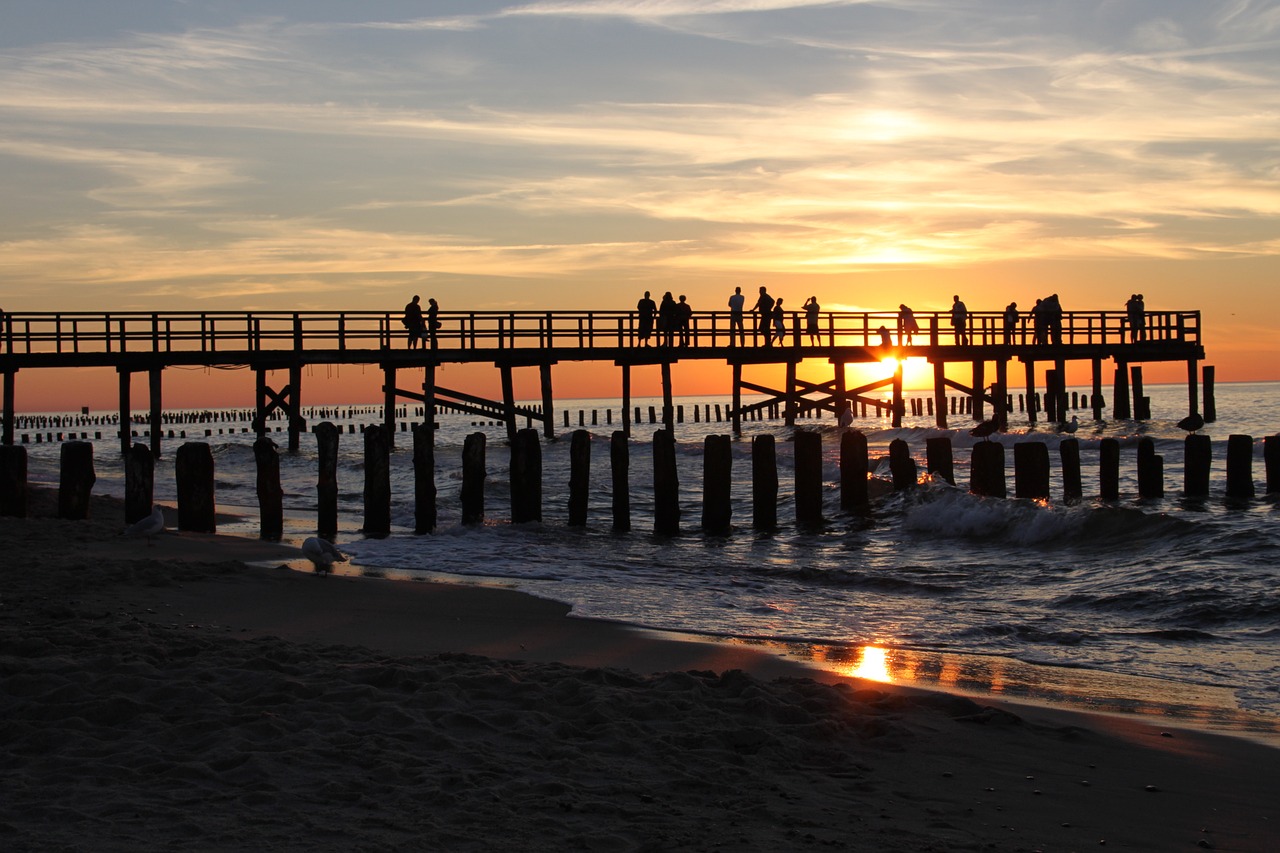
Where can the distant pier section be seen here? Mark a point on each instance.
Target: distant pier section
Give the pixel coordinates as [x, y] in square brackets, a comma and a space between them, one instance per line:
[265, 342]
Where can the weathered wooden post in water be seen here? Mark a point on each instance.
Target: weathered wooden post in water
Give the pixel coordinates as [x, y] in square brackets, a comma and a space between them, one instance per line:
[987, 470]
[326, 480]
[266, 456]
[75, 480]
[901, 465]
[579, 477]
[1198, 458]
[854, 494]
[1072, 484]
[717, 477]
[193, 469]
[1109, 469]
[620, 469]
[1031, 470]
[424, 476]
[808, 478]
[377, 480]
[473, 472]
[938, 459]
[139, 483]
[666, 484]
[764, 483]
[1240, 466]
[13, 480]
[1271, 459]
[1150, 469]
[526, 477]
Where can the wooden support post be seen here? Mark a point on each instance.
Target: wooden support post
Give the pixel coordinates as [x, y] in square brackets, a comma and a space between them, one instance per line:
[1240, 466]
[1210, 404]
[1052, 396]
[666, 483]
[473, 473]
[388, 404]
[1193, 390]
[987, 467]
[1120, 393]
[1109, 469]
[297, 424]
[377, 481]
[737, 399]
[1198, 460]
[1072, 483]
[1095, 399]
[259, 401]
[620, 468]
[326, 435]
[790, 404]
[424, 476]
[270, 494]
[938, 458]
[429, 430]
[508, 402]
[897, 395]
[853, 471]
[75, 480]
[626, 405]
[1150, 469]
[193, 471]
[1141, 404]
[668, 410]
[976, 391]
[1062, 400]
[9, 414]
[139, 483]
[1030, 369]
[717, 477]
[1271, 459]
[841, 390]
[1031, 470]
[808, 478]
[579, 477]
[13, 481]
[526, 477]
[1000, 392]
[940, 392]
[126, 415]
[764, 483]
[548, 402]
[157, 411]
[901, 465]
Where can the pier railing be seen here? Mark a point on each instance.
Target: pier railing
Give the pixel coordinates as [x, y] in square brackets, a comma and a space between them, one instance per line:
[230, 331]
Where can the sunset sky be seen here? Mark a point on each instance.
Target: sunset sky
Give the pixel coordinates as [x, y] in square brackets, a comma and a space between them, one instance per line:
[316, 154]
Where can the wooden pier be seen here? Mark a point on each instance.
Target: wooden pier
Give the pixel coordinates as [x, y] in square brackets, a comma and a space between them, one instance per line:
[148, 343]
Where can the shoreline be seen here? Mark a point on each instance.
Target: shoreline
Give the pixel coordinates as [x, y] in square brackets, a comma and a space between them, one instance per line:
[173, 693]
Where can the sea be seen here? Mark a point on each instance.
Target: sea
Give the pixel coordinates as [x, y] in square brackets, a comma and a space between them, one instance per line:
[1165, 607]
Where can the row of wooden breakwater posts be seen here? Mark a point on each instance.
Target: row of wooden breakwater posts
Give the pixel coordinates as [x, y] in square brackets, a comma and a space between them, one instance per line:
[194, 473]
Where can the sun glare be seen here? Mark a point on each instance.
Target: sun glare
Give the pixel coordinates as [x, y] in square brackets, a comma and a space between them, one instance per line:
[873, 665]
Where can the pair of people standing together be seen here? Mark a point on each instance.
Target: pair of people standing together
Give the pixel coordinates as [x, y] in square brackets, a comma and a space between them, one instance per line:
[419, 326]
[671, 318]
[769, 313]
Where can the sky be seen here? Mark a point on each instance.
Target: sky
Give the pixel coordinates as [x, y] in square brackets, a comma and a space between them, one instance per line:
[325, 155]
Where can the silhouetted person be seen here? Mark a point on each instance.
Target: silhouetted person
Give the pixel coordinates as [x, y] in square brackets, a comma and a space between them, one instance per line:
[646, 308]
[736, 304]
[684, 318]
[1010, 321]
[413, 320]
[1039, 323]
[779, 321]
[907, 325]
[667, 320]
[433, 323]
[885, 340]
[1052, 309]
[764, 315]
[811, 309]
[1137, 313]
[960, 320]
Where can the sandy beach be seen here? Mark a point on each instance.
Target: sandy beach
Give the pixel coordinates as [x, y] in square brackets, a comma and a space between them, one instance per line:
[169, 696]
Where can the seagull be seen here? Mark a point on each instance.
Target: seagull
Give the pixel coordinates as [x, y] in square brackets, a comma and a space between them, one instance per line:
[985, 429]
[1191, 423]
[148, 527]
[1072, 425]
[322, 554]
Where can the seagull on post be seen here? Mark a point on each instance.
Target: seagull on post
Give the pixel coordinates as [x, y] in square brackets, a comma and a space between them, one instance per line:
[985, 429]
[1191, 423]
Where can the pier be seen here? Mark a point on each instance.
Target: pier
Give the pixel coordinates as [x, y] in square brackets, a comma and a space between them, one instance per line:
[146, 343]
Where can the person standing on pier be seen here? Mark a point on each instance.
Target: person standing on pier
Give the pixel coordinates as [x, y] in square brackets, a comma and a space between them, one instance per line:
[684, 318]
[646, 308]
[907, 325]
[667, 319]
[413, 320]
[1052, 309]
[433, 309]
[811, 309]
[1137, 313]
[764, 315]
[1010, 322]
[1038, 323]
[960, 320]
[736, 304]
[779, 322]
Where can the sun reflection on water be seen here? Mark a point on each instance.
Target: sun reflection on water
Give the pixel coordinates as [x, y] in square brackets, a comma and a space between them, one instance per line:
[873, 665]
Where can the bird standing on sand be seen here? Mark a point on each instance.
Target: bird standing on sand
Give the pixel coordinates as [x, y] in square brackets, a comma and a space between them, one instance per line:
[1191, 423]
[1072, 425]
[148, 527]
[985, 429]
[322, 554]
